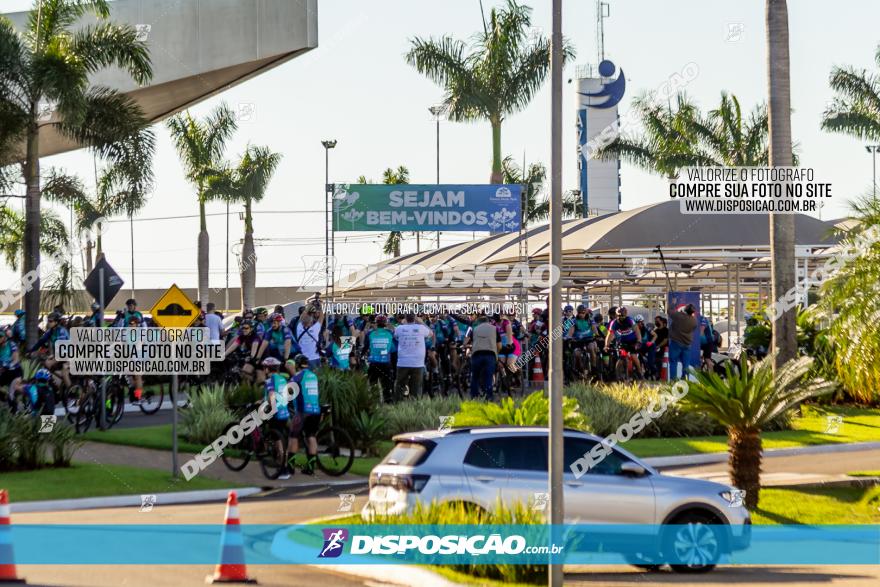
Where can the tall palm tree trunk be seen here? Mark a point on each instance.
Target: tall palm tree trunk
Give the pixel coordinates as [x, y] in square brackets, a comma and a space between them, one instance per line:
[744, 461]
[99, 243]
[203, 258]
[248, 261]
[88, 256]
[30, 268]
[782, 237]
[497, 174]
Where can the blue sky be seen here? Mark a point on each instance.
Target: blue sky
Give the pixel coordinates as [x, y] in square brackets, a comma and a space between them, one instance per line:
[355, 87]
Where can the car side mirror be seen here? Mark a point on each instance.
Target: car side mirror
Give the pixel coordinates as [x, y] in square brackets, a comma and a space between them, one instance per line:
[632, 469]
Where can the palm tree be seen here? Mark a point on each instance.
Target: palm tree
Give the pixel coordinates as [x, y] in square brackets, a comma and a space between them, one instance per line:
[45, 74]
[851, 298]
[53, 235]
[728, 139]
[533, 209]
[201, 146]
[246, 183]
[668, 142]
[856, 108]
[746, 401]
[499, 76]
[782, 261]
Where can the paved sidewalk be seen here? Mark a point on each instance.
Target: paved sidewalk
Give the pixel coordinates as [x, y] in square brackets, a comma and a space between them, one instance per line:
[113, 454]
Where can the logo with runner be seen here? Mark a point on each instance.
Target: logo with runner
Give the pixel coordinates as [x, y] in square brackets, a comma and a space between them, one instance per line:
[334, 542]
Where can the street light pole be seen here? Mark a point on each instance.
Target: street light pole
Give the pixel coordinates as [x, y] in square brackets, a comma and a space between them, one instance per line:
[555, 374]
[437, 111]
[226, 297]
[328, 144]
[873, 150]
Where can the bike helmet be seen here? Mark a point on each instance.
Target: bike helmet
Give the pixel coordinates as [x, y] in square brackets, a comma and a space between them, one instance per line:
[271, 362]
[301, 361]
[19, 313]
[640, 318]
[381, 320]
[53, 317]
[95, 307]
[260, 311]
[43, 375]
[248, 323]
[581, 308]
[131, 302]
[537, 311]
[277, 317]
[569, 308]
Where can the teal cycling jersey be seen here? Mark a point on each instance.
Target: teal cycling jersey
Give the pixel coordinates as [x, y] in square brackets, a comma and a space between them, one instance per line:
[308, 402]
[275, 385]
[381, 344]
[6, 351]
[339, 356]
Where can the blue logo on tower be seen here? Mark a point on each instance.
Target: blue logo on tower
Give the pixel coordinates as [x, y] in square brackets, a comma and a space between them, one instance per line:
[612, 90]
[334, 542]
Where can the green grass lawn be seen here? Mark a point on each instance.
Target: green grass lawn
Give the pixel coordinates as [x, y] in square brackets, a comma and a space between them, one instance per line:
[832, 505]
[859, 425]
[864, 473]
[95, 480]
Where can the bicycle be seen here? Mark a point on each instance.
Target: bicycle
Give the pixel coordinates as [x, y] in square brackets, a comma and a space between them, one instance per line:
[89, 404]
[336, 450]
[624, 363]
[259, 444]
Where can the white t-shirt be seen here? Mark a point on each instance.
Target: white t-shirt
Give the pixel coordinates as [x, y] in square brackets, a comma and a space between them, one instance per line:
[411, 344]
[308, 340]
[215, 325]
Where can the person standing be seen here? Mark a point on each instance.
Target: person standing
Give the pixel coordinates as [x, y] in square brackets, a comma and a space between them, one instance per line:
[484, 355]
[411, 337]
[214, 323]
[380, 344]
[682, 324]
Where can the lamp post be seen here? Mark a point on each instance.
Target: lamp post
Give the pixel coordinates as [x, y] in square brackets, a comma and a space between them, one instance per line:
[873, 150]
[328, 144]
[437, 111]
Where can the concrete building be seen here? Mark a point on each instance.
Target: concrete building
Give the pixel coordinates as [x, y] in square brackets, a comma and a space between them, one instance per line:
[200, 48]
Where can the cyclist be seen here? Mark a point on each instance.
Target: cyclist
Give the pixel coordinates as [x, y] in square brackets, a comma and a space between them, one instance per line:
[338, 350]
[308, 333]
[707, 342]
[261, 319]
[627, 332]
[246, 347]
[510, 349]
[645, 344]
[277, 340]
[45, 346]
[10, 368]
[96, 319]
[131, 310]
[380, 344]
[18, 327]
[307, 414]
[136, 320]
[274, 392]
[583, 335]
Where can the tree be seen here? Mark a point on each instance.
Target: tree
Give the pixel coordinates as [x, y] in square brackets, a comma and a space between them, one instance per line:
[746, 401]
[856, 107]
[535, 209]
[725, 138]
[851, 297]
[53, 235]
[782, 261]
[246, 183]
[45, 74]
[201, 146]
[499, 76]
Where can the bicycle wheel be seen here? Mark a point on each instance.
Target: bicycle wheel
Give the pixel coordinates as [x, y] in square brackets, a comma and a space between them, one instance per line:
[86, 412]
[272, 453]
[335, 451]
[72, 400]
[620, 370]
[151, 399]
[237, 455]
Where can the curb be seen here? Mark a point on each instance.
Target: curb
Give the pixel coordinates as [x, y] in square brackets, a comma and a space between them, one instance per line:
[88, 503]
[721, 457]
[403, 575]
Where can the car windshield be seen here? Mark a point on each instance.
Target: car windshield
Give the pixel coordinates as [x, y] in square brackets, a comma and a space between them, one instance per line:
[406, 453]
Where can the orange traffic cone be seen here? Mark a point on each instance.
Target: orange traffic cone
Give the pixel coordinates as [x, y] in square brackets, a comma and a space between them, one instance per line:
[232, 568]
[7, 559]
[537, 371]
[664, 369]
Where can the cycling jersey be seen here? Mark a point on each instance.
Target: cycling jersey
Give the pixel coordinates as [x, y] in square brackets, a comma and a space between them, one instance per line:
[6, 351]
[47, 341]
[18, 330]
[462, 330]
[308, 401]
[276, 385]
[276, 338]
[246, 341]
[381, 345]
[126, 318]
[624, 329]
[339, 355]
[583, 329]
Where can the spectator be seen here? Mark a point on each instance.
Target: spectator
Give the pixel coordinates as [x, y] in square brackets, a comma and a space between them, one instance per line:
[214, 323]
[410, 337]
[681, 334]
[484, 355]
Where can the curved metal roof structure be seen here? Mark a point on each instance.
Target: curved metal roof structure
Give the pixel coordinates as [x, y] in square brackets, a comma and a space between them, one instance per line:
[614, 250]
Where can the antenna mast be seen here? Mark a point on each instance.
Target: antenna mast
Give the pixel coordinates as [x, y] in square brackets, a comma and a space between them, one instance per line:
[603, 11]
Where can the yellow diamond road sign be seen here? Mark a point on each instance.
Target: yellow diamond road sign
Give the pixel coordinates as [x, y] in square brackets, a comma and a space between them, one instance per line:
[174, 309]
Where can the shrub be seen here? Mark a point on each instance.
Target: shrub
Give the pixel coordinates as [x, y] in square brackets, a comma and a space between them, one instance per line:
[7, 444]
[531, 411]
[350, 393]
[23, 447]
[459, 513]
[64, 442]
[416, 414]
[30, 445]
[368, 431]
[242, 395]
[208, 415]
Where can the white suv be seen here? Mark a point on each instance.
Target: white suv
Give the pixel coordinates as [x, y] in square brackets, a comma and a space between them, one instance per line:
[477, 466]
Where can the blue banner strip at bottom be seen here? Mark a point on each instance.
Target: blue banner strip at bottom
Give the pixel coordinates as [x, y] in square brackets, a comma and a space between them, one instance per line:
[443, 545]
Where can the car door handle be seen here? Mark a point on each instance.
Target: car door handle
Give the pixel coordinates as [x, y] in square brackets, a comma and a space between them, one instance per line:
[485, 478]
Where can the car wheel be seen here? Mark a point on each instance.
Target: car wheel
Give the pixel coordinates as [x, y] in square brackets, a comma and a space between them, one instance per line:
[692, 543]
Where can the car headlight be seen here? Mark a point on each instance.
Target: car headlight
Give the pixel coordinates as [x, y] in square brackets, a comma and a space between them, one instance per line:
[733, 496]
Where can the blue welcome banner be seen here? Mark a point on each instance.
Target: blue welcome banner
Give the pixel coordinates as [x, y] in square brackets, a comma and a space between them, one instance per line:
[446, 207]
[184, 544]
